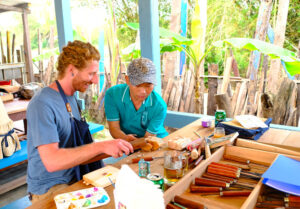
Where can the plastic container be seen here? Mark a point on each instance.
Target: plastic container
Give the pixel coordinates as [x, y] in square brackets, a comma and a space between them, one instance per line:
[206, 122]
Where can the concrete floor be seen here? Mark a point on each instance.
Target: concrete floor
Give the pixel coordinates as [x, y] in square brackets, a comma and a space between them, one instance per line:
[13, 195]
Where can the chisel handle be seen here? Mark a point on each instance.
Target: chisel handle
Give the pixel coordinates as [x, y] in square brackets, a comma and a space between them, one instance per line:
[225, 165]
[218, 177]
[292, 198]
[222, 172]
[224, 168]
[210, 182]
[195, 189]
[235, 193]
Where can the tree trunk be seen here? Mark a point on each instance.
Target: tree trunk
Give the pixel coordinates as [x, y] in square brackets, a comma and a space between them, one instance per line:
[260, 33]
[212, 89]
[275, 67]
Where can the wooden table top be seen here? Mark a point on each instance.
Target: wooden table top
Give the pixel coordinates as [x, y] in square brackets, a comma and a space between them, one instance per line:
[15, 106]
[274, 136]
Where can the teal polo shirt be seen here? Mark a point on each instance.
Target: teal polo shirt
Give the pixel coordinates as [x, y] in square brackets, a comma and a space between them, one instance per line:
[150, 117]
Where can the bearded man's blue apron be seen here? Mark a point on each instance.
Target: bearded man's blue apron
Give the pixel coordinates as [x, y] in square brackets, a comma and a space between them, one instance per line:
[80, 135]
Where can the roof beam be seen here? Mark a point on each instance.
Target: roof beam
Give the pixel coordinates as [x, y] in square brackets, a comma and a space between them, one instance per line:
[17, 8]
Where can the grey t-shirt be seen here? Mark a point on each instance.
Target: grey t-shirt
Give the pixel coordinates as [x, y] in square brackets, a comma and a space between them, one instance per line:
[48, 122]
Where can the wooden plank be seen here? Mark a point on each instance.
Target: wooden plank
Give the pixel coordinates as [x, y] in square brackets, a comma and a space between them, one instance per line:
[27, 47]
[226, 75]
[2, 50]
[241, 98]
[274, 136]
[13, 49]
[172, 95]
[235, 96]
[190, 97]
[168, 90]
[212, 89]
[41, 67]
[223, 103]
[292, 139]
[193, 103]
[14, 8]
[280, 27]
[255, 156]
[186, 84]
[177, 98]
[257, 145]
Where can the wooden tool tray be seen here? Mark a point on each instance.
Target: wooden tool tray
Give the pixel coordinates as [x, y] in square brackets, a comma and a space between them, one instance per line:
[258, 158]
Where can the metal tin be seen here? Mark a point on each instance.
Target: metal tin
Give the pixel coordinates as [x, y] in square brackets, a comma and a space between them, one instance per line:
[144, 168]
[157, 179]
[220, 116]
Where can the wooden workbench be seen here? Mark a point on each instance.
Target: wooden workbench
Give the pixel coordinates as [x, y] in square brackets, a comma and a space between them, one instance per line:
[157, 165]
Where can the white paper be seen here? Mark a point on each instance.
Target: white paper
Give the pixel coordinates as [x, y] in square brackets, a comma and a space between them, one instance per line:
[250, 121]
[133, 192]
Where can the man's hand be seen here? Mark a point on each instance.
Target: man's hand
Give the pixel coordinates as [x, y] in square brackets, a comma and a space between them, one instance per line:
[131, 137]
[117, 147]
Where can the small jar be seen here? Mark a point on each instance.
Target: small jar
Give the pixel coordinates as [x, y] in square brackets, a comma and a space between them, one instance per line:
[206, 122]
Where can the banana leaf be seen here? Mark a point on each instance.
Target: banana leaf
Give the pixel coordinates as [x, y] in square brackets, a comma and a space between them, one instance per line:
[275, 52]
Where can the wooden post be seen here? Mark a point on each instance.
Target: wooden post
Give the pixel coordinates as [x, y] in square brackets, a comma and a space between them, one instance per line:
[48, 72]
[283, 100]
[226, 75]
[175, 105]
[168, 90]
[172, 59]
[41, 67]
[212, 89]
[186, 84]
[260, 33]
[235, 96]
[241, 98]
[27, 48]
[172, 95]
[275, 67]
[190, 95]
[2, 50]
[13, 49]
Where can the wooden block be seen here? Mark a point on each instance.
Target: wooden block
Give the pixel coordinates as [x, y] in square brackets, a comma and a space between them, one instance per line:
[6, 97]
[101, 176]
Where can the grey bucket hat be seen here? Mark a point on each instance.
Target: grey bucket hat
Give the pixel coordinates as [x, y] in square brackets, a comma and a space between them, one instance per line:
[141, 70]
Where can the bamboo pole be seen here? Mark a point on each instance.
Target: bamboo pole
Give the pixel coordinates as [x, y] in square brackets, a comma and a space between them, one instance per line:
[8, 52]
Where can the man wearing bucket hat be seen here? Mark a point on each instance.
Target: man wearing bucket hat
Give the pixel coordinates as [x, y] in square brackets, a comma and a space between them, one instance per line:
[133, 109]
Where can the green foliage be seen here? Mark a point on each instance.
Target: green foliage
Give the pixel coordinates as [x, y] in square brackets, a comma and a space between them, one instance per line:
[291, 62]
[46, 55]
